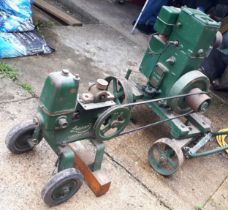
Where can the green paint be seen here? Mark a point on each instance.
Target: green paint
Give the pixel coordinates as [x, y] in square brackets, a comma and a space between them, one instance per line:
[171, 61]
[66, 159]
[191, 34]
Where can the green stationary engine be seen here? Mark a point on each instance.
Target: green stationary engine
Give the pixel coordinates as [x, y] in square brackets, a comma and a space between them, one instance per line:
[172, 64]
[175, 90]
[174, 56]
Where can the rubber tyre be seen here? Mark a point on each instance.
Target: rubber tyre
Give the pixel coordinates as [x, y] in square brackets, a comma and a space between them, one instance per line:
[58, 182]
[17, 138]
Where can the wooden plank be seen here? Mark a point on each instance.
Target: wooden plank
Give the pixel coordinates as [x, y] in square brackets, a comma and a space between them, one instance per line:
[97, 181]
[59, 14]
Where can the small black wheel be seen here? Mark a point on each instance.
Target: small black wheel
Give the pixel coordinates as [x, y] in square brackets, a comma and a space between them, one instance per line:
[17, 140]
[62, 186]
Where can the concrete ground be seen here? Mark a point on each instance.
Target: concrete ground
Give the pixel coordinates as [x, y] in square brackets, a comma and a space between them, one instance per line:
[103, 46]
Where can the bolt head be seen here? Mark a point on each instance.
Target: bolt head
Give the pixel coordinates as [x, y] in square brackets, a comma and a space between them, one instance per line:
[65, 72]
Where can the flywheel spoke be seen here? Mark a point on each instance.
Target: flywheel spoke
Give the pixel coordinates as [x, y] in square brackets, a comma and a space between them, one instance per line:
[171, 162]
[112, 122]
[104, 130]
[160, 150]
[115, 91]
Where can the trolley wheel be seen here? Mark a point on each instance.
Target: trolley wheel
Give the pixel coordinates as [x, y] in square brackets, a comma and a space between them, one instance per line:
[62, 186]
[165, 157]
[17, 140]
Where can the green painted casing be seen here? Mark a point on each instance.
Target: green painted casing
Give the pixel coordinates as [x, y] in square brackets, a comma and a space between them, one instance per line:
[59, 93]
[195, 30]
[77, 129]
[58, 99]
[167, 59]
[166, 20]
[58, 102]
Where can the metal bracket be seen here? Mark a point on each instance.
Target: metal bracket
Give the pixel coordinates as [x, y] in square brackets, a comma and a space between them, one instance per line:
[36, 138]
[66, 159]
[191, 152]
[100, 148]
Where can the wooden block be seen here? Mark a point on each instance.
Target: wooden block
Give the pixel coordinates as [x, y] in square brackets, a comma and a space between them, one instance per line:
[97, 181]
[59, 14]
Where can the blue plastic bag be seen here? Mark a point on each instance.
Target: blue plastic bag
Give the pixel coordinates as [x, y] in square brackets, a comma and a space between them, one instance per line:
[15, 16]
[17, 34]
[22, 44]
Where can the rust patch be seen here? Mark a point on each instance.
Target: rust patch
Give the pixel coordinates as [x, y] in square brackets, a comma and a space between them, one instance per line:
[73, 90]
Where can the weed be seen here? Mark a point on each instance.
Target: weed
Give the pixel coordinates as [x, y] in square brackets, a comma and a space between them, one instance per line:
[39, 25]
[26, 86]
[12, 74]
[8, 71]
[198, 208]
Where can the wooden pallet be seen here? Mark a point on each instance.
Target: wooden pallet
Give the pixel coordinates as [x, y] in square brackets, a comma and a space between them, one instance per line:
[57, 13]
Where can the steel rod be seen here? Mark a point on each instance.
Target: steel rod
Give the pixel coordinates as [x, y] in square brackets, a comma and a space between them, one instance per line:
[138, 18]
[210, 152]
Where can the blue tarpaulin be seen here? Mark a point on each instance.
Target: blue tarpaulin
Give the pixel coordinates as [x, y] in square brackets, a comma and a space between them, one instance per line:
[17, 35]
[15, 16]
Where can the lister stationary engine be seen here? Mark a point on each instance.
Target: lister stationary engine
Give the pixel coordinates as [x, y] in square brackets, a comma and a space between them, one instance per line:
[175, 90]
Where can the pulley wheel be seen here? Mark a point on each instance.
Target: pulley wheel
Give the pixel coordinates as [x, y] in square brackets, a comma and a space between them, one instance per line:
[199, 102]
[187, 82]
[165, 157]
[111, 123]
[121, 90]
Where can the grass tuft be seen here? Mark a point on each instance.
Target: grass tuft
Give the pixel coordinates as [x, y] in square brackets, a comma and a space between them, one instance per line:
[198, 208]
[8, 71]
[12, 74]
[39, 25]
